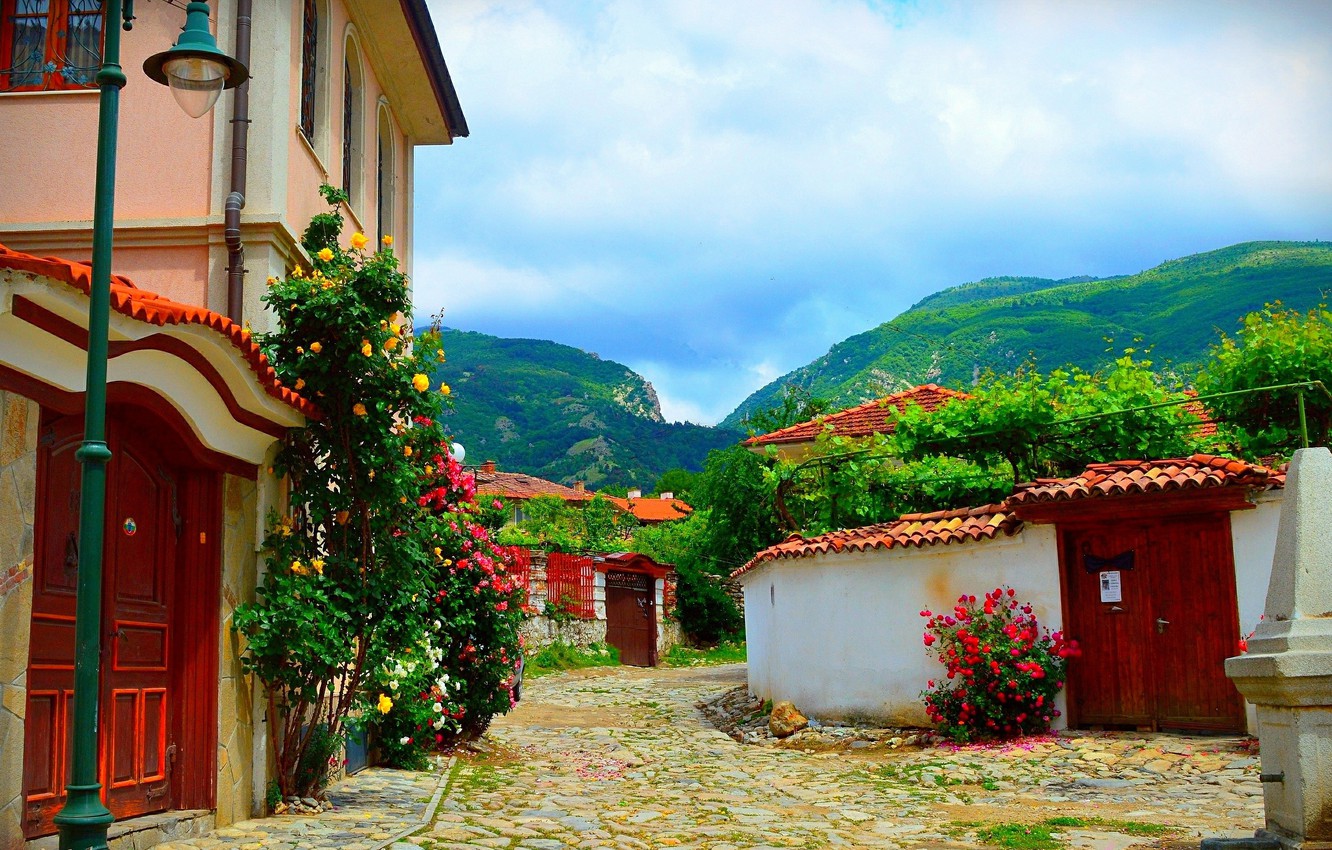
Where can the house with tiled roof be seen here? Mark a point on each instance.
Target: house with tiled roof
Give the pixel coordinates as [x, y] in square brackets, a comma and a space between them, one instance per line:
[796, 442]
[650, 510]
[516, 488]
[1155, 567]
[340, 92]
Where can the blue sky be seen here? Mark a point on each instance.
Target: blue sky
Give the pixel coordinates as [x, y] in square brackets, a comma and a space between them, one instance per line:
[713, 193]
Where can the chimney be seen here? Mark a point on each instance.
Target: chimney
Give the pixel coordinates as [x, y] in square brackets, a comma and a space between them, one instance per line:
[579, 487]
[634, 494]
[488, 467]
[668, 496]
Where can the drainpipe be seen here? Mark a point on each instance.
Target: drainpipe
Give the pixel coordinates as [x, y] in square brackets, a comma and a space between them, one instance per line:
[240, 139]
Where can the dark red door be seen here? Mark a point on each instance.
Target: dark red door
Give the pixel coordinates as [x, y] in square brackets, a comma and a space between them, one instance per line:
[631, 617]
[135, 705]
[1153, 657]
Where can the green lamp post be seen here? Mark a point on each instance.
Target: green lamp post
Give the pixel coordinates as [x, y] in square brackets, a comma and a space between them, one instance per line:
[197, 73]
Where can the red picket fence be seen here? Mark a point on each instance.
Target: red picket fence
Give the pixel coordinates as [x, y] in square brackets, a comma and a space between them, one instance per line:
[519, 565]
[569, 583]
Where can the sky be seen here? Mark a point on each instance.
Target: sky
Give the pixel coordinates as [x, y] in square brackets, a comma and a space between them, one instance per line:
[714, 193]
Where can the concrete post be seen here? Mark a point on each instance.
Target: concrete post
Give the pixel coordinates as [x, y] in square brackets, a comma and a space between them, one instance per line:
[1287, 673]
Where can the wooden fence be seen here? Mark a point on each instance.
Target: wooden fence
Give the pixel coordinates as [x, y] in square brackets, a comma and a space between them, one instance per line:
[569, 582]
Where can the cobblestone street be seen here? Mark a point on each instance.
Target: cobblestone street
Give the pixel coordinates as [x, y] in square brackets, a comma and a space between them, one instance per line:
[622, 758]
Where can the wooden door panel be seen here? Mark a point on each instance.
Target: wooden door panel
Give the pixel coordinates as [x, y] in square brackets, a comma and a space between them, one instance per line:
[630, 616]
[1110, 684]
[1195, 624]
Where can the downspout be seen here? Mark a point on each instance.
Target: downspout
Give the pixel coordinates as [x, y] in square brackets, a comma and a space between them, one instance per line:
[240, 140]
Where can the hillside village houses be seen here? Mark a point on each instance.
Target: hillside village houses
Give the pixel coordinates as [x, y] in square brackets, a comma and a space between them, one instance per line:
[341, 91]
[1154, 566]
[516, 488]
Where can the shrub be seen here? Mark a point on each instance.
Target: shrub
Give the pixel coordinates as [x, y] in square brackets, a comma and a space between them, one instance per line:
[1003, 669]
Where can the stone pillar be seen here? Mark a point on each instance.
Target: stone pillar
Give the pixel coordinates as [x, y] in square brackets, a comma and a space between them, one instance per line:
[1287, 673]
[536, 582]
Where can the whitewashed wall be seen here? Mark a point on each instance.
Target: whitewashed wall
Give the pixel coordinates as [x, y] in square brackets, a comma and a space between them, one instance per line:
[1253, 536]
[840, 635]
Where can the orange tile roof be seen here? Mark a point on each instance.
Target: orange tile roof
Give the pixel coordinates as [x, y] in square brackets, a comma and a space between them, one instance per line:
[1207, 426]
[1126, 477]
[872, 417]
[1098, 480]
[653, 510]
[144, 306]
[517, 485]
[917, 530]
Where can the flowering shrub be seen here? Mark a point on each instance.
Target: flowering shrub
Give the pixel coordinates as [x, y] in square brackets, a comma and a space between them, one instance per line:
[357, 571]
[1003, 669]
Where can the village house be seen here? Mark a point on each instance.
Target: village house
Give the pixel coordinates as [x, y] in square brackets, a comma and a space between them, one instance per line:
[341, 91]
[1156, 568]
[516, 488]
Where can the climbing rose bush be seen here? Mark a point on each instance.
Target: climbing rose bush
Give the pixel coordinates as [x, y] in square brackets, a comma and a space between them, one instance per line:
[1002, 669]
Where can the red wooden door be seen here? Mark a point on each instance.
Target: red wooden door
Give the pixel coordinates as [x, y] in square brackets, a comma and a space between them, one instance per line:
[631, 617]
[135, 718]
[1154, 657]
[1107, 685]
[1194, 625]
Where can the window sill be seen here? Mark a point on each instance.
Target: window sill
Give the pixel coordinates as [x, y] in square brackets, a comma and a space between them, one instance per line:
[314, 155]
[51, 93]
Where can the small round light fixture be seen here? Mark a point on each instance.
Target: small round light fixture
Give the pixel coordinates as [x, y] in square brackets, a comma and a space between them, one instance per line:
[195, 69]
[457, 452]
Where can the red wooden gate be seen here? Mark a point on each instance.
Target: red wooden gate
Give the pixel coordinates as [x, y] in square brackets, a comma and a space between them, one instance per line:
[1153, 607]
[569, 583]
[631, 617]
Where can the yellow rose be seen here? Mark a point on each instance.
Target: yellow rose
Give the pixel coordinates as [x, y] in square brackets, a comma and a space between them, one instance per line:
[391, 343]
[325, 254]
[300, 349]
[300, 384]
[429, 470]
[439, 553]
[387, 240]
[420, 382]
[358, 409]
[358, 241]
[385, 704]
[407, 450]
[440, 356]
[298, 568]
[445, 388]
[316, 346]
[397, 329]
[272, 281]
[317, 564]
[367, 349]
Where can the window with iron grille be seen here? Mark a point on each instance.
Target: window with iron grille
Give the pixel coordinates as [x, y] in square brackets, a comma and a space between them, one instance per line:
[309, 67]
[50, 44]
[348, 122]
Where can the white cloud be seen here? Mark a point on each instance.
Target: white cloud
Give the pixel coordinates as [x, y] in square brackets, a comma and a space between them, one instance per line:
[696, 169]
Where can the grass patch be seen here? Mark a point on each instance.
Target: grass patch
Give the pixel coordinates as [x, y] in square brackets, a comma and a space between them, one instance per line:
[1128, 827]
[1018, 836]
[565, 656]
[726, 652]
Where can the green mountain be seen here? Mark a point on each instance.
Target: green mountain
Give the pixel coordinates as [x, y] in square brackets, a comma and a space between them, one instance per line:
[564, 414]
[1177, 308]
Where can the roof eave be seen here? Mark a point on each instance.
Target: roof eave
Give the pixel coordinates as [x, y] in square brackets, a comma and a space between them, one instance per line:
[427, 43]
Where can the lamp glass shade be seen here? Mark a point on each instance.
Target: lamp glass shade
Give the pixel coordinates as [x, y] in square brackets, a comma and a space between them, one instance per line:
[196, 82]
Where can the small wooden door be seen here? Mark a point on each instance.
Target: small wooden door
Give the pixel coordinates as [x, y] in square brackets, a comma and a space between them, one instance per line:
[139, 558]
[1153, 607]
[631, 617]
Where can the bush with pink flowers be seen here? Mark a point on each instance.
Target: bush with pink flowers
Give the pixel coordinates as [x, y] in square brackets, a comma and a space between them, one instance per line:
[1003, 669]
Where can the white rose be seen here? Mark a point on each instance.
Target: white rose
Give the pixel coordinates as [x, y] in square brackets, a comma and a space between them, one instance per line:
[393, 686]
[404, 740]
[438, 707]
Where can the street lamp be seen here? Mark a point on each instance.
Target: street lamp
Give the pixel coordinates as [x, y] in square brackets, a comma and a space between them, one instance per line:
[199, 65]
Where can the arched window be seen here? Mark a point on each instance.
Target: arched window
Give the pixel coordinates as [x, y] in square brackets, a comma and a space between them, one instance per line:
[384, 169]
[50, 44]
[352, 123]
[309, 67]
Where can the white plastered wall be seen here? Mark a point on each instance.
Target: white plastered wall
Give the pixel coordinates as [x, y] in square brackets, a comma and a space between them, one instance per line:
[840, 635]
[1253, 536]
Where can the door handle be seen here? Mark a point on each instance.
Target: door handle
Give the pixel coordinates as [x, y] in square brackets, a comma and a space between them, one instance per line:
[1161, 624]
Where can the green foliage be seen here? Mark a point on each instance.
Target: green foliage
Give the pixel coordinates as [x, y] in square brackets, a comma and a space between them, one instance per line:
[555, 525]
[794, 404]
[562, 655]
[1018, 836]
[679, 481]
[362, 569]
[1052, 424]
[1002, 670]
[742, 511]
[563, 414]
[319, 758]
[1273, 346]
[726, 652]
[1002, 323]
[702, 607]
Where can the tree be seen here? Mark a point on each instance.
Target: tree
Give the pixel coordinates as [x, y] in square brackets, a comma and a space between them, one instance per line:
[742, 513]
[797, 404]
[1273, 346]
[678, 481]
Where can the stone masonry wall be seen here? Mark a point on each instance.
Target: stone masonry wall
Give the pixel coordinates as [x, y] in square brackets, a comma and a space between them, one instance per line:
[19, 418]
[235, 714]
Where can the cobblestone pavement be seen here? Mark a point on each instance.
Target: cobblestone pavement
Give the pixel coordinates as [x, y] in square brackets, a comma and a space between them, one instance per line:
[369, 811]
[622, 758]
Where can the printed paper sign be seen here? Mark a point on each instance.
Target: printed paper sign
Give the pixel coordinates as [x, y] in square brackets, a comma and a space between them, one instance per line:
[1110, 590]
